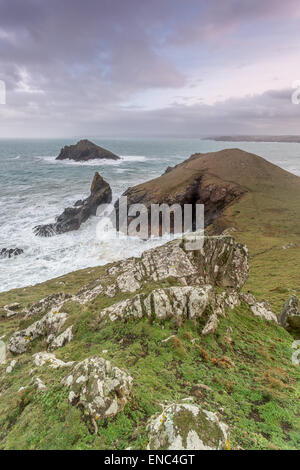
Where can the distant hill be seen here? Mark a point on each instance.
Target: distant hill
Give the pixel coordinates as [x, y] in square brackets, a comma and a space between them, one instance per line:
[256, 138]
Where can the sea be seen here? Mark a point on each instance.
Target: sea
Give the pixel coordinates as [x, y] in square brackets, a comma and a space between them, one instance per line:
[35, 188]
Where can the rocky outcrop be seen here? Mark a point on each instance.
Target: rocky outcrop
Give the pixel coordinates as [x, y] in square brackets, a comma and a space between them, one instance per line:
[98, 388]
[73, 217]
[48, 327]
[85, 150]
[10, 252]
[180, 303]
[259, 309]
[220, 261]
[289, 317]
[186, 426]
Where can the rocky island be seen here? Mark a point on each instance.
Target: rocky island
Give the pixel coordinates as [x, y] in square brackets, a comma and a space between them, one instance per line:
[73, 217]
[85, 150]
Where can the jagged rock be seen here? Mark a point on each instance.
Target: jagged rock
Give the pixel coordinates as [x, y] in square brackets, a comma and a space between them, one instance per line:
[85, 150]
[259, 309]
[220, 262]
[186, 426]
[51, 360]
[43, 305]
[100, 389]
[290, 314]
[61, 340]
[10, 252]
[211, 325]
[181, 302]
[11, 366]
[50, 324]
[73, 217]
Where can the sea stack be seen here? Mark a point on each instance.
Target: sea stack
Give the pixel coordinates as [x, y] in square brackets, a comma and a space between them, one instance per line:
[85, 150]
[73, 217]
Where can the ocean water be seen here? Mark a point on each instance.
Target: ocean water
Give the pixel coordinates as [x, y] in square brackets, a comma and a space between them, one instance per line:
[34, 188]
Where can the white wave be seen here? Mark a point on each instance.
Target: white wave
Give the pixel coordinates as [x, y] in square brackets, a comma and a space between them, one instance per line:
[123, 159]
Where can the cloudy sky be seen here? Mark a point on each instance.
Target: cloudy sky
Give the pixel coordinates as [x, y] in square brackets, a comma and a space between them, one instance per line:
[149, 67]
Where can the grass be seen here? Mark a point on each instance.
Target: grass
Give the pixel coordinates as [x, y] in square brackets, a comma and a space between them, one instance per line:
[254, 385]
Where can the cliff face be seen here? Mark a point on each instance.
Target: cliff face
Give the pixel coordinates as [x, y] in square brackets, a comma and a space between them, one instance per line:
[73, 217]
[85, 150]
[216, 180]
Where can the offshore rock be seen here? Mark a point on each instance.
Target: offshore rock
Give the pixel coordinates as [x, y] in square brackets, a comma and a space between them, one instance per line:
[73, 217]
[85, 150]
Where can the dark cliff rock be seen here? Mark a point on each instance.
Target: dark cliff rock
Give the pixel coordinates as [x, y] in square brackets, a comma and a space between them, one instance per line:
[195, 181]
[10, 252]
[73, 217]
[85, 150]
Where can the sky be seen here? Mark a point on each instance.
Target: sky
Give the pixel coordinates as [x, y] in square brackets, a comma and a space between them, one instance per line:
[141, 68]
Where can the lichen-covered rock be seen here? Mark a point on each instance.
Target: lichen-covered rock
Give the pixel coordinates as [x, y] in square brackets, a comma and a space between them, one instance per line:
[221, 261]
[290, 314]
[60, 340]
[259, 309]
[178, 302]
[49, 325]
[49, 359]
[186, 426]
[211, 325]
[98, 388]
[44, 305]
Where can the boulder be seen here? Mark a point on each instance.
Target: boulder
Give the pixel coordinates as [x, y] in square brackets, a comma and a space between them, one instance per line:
[42, 358]
[289, 317]
[73, 217]
[259, 309]
[98, 388]
[85, 150]
[10, 252]
[186, 426]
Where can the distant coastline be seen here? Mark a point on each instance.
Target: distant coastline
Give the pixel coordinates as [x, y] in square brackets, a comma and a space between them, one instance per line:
[293, 139]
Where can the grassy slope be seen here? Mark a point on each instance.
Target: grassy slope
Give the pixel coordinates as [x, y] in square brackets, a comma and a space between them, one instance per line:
[253, 383]
[257, 393]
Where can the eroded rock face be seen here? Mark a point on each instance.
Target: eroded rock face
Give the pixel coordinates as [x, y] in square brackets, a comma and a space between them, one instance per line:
[73, 217]
[48, 326]
[98, 388]
[290, 315]
[186, 426]
[174, 302]
[85, 150]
